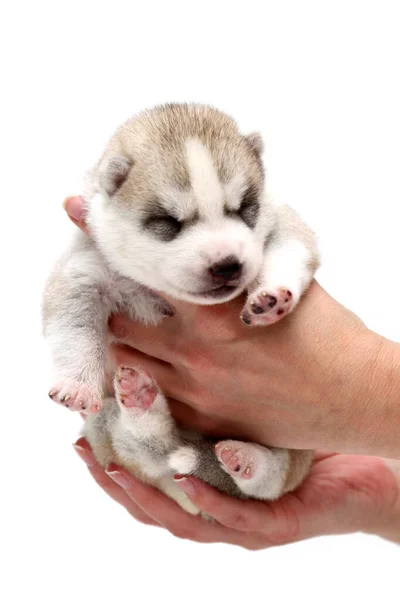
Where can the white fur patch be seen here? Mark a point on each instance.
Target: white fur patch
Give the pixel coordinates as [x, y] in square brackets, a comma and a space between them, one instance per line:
[204, 179]
[287, 265]
[180, 203]
[98, 209]
[171, 489]
[184, 460]
[234, 191]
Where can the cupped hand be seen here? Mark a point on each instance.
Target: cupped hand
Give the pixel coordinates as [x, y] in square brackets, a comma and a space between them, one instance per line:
[343, 494]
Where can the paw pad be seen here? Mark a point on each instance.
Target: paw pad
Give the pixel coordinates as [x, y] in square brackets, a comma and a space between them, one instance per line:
[135, 388]
[236, 458]
[265, 307]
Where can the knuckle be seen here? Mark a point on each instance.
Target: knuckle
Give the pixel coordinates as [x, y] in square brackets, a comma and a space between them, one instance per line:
[226, 510]
[195, 358]
[209, 508]
[108, 486]
[182, 533]
[255, 546]
[254, 542]
[238, 520]
[285, 527]
[138, 516]
[282, 536]
[144, 520]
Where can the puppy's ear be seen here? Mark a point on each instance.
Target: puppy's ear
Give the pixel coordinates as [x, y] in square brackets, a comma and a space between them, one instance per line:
[255, 141]
[113, 173]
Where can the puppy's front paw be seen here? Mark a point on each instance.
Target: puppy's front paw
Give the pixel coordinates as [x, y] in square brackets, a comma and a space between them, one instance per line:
[135, 388]
[76, 396]
[267, 306]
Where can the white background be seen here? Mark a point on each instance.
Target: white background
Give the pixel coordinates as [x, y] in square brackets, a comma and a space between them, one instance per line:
[321, 81]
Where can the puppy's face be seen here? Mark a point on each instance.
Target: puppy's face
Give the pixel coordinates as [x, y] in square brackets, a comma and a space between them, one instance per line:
[184, 214]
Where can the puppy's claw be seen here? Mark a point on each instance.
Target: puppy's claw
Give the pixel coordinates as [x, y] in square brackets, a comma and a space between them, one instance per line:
[245, 319]
[75, 395]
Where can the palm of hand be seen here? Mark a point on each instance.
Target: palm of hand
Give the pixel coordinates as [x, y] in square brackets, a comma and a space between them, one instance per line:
[342, 494]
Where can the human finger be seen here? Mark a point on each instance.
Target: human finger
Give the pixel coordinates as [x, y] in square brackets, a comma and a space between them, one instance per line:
[73, 206]
[172, 517]
[112, 489]
[270, 518]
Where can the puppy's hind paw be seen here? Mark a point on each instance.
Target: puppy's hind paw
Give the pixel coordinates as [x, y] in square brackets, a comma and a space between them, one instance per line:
[237, 458]
[135, 388]
[259, 472]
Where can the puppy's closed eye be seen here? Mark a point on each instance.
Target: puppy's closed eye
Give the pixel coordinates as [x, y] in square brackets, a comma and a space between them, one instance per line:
[248, 209]
[165, 227]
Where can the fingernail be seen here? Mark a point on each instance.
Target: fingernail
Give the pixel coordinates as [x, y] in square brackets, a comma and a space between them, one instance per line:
[118, 477]
[74, 208]
[186, 484]
[85, 455]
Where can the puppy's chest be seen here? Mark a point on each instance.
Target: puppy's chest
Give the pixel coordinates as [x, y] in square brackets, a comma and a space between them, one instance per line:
[122, 294]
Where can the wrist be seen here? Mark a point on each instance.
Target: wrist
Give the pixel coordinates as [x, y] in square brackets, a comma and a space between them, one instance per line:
[387, 522]
[355, 380]
[382, 397]
[371, 380]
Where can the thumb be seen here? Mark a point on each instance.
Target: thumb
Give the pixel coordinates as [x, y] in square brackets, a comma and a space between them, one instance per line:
[74, 207]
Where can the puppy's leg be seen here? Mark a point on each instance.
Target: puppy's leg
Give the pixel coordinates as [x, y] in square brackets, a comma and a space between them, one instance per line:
[290, 261]
[97, 431]
[243, 469]
[76, 334]
[144, 434]
[198, 457]
[144, 429]
[80, 295]
[134, 429]
[260, 472]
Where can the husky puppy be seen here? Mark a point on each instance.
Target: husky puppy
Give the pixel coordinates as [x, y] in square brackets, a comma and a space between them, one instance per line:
[176, 204]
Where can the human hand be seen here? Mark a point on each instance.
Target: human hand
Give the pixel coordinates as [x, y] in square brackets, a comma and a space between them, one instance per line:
[343, 494]
[317, 379]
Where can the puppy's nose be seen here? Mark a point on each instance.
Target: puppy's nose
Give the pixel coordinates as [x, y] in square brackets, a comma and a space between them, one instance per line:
[226, 270]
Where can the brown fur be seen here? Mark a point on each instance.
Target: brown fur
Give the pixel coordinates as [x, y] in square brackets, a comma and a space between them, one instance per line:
[154, 142]
[299, 465]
